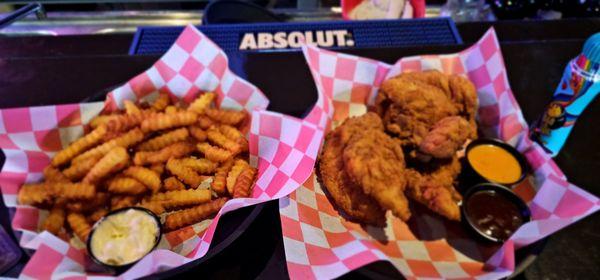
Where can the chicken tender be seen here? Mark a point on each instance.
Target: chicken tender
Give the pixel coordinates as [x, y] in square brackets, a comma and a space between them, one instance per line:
[445, 138]
[348, 196]
[376, 162]
[434, 188]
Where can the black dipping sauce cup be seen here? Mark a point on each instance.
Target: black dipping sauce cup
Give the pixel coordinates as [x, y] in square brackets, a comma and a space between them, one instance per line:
[496, 199]
[122, 268]
[470, 177]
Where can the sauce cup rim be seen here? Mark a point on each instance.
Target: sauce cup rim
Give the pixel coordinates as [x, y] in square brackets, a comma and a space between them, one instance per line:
[505, 146]
[111, 213]
[509, 194]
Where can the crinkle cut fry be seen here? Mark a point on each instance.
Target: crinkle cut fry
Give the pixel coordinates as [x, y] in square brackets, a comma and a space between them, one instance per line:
[219, 183]
[213, 153]
[155, 206]
[55, 220]
[230, 117]
[182, 198]
[173, 184]
[202, 102]
[131, 108]
[97, 215]
[244, 183]
[146, 176]
[113, 161]
[52, 174]
[197, 133]
[126, 185]
[193, 215]
[205, 122]
[79, 146]
[185, 174]
[72, 191]
[164, 140]
[235, 135]
[200, 165]
[79, 225]
[35, 194]
[77, 170]
[238, 166]
[162, 101]
[164, 121]
[175, 150]
[118, 202]
[215, 137]
[126, 140]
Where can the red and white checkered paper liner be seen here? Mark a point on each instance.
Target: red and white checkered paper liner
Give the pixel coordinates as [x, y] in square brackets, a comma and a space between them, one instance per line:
[321, 244]
[283, 148]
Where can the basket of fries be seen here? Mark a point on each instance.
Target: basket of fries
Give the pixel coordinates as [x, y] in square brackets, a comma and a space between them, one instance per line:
[187, 140]
[387, 185]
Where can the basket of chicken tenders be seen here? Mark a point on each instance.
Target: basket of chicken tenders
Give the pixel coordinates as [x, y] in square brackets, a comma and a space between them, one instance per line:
[425, 164]
[137, 184]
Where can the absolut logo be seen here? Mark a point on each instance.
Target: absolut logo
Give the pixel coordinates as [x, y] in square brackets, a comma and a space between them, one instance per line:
[294, 39]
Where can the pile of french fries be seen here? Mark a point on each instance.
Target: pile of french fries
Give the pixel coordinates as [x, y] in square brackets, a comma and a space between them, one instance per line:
[181, 163]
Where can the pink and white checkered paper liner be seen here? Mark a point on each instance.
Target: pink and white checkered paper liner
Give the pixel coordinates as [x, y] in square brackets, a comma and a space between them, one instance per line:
[283, 148]
[321, 244]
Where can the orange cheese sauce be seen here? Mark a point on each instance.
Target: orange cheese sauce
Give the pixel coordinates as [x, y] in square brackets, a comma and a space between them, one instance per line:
[495, 164]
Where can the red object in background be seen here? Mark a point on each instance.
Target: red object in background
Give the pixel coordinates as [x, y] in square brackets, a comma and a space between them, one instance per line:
[418, 7]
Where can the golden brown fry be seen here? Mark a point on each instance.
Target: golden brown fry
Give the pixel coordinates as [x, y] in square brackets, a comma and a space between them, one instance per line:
[55, 220]
[173, 184]
[72, 191]
[100, 120]
[172, 109]
[113, 161]
[155, 206]
[215, 137]
[213, 153]
[161, 102]
[200, 165]
[182, 198]
[219, 183]
[52, 174]
[185, 174]
[205, 122]
[110, 135]
[126, 140]
[77, 170]
[79, 225]
[131, 108]
[126, 185]
[97, 215]
[145, 176]
[193, 215]
[35, 194]
[244, 183]
[175, 150]
[224, 116]
[124, 122]
[79, 146]
[164, 140]
[230, 132]
[158, 168]
[202, 102]
[122, 201]
[99, 200]
[197, 133]
[164, 121]
[238, 166]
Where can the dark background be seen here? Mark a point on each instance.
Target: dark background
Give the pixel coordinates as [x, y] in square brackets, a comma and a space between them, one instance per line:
[53, 70]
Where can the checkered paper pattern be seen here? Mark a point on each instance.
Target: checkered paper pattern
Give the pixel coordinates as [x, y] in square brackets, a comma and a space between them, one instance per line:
[321, 244]
[282, 147]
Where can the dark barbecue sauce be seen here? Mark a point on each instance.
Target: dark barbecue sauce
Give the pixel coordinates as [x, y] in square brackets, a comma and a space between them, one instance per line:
[493, 214]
